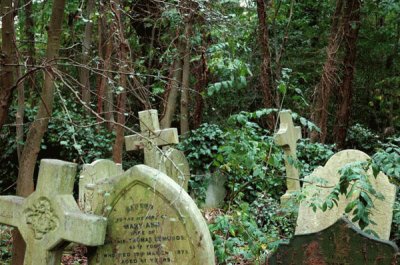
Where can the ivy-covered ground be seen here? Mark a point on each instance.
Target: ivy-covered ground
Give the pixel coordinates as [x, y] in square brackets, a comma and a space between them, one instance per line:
[251, 222]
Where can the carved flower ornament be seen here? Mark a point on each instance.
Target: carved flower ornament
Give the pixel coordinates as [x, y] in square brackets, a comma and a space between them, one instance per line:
[41, 218]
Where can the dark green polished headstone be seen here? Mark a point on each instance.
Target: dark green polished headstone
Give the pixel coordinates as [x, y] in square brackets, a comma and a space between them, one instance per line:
[339, 244]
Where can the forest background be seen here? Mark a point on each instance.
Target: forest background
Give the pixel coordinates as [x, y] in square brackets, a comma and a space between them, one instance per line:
[74, 75]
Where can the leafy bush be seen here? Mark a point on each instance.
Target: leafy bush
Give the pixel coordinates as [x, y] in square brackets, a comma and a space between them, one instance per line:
[5, 244]
[362, 138]
[312, 155]
[245, 234]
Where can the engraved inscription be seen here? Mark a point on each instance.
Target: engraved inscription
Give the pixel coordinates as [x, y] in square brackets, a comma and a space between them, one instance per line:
[41, 218]
[146, 230]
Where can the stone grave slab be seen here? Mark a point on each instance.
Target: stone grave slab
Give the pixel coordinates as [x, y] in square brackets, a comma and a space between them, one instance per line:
[50, 217]
[91, 174]
[151, 221]
[287, 137]
[169, 160]
[340, 244]
[176, 166]
[309, 221]
[151, 137]
[216, 192]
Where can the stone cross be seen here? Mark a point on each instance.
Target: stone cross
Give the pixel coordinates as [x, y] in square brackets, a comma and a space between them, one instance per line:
[151, 137]
[287, 137]
[50, 217]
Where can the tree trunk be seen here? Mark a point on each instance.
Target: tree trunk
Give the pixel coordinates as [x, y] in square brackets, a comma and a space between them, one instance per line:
[8, 54]
[86, 43]
[30, 36]
[323, 90]
[172, 94]
[123, 69]
[351, 28]
[104, 95]
[265, 73]
[38, 127]
[186, 81]
[202, 80]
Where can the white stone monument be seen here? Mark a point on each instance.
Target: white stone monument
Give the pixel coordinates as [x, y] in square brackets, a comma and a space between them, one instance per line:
[287, 137]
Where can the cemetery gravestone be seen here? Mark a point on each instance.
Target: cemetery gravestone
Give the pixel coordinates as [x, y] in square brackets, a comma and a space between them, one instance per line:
[309, 221]
[287, 137]
[92, 173]
[175, 165]
[340, 244]
[50, 217]
[216, 192]
[151, 221]
[170, 161]
[151, 137]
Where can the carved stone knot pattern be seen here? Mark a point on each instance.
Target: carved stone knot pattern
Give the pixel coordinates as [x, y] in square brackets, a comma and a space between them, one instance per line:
[41, 218]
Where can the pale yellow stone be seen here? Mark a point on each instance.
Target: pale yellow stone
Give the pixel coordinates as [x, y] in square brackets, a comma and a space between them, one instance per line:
[90, 175]
[49, 217]
[151, 221]
[175, 165]
[309, 221]
[287, 137]
[151, 137]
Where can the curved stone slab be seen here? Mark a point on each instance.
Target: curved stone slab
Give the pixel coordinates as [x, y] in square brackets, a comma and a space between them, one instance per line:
[309, 221]
[175, 165]
[151, 221]
[341, 243]
[91, 174]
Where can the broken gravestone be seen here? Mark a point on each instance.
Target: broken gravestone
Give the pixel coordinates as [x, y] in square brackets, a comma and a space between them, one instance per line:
[287, 137]
[50, 217]
[91, 174]
[340, 244]
[151, 221]
[309, 221]
[170, 161]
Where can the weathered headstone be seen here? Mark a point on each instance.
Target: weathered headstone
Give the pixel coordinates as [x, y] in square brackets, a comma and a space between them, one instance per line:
[170, 161]
[287, 137]
[340, 244]
[151, 137]
[309, 221]
[151, 221]
[216, 192]
[175, 165]
[91, 174]
[50, 217]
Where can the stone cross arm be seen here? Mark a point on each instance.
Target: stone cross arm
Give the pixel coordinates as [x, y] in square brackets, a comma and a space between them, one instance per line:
[158, 138]
[50, 215]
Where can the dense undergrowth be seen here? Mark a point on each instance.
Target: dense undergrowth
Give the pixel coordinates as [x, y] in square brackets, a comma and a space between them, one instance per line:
[251, 223]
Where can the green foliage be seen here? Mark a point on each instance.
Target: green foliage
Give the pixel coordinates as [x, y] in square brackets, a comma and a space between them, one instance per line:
[5, 244]
[202, 145]
[244, 234]
[312, 155]
[361, 138]
[200, 149]
[244, 158]
[237, 238]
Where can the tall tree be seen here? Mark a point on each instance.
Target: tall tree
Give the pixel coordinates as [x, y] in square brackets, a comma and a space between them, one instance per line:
[86, 43]
[38, 127]
[265, 73]
[328, 80]
[7, 76]
[351, 29]
[187, 13]
[171, 94]
[123, 69]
